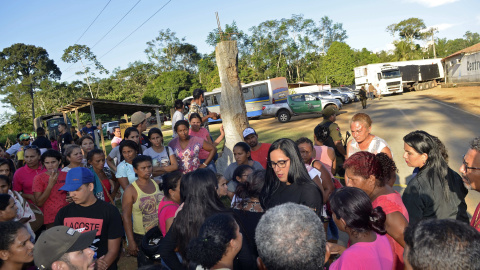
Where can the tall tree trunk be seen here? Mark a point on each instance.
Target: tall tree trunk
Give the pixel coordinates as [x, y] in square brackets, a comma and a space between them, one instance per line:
[232, 108]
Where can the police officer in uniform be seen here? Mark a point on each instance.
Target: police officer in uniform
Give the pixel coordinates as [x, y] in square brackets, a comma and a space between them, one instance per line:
[335, 140]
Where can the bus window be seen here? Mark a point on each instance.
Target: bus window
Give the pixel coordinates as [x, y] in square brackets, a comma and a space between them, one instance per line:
[208, 101]
[215, 100]
[247, 93]
[260, 91]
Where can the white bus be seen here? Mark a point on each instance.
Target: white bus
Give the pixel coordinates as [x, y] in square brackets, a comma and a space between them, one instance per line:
[255, 94]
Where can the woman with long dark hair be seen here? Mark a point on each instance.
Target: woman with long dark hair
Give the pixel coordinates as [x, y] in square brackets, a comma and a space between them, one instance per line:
[125, 172]
[217, 244]
[436, 191]
[115, 156]
[287, 179]
[164, 160]
[198, 190]
[369, 247]
[106, 184]
[371, 173]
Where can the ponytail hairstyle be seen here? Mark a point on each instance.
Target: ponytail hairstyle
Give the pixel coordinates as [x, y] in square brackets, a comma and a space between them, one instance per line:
[365, 164]
[239, 171]
[213, 240]
[355, 208]
[127, 133]
[246, 148]
[170, 181]
[252, 187]
[436, 166]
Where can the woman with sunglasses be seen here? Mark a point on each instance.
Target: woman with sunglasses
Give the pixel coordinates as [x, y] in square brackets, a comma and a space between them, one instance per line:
[287, 179]
[23, 177]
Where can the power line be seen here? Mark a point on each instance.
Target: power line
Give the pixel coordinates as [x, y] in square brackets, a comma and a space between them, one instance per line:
[93, 21]
[116, 24]
[135, 29]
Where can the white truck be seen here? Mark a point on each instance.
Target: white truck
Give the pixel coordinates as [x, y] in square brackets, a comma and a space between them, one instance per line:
[385, 77]
[394, 77]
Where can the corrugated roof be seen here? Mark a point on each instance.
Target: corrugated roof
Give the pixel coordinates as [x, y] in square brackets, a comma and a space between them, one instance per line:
[103, 106]
[471, 49]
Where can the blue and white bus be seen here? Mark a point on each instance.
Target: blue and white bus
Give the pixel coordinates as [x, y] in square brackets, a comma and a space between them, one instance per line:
[256, 94]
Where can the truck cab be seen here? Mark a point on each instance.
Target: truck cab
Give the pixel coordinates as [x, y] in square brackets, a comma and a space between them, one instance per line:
[387, 77]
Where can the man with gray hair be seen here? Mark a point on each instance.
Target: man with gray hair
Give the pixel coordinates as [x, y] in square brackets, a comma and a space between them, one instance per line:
[290, 236]
[470, 171]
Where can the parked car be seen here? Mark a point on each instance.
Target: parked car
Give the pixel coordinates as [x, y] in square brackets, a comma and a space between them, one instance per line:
[350, 94]
[108, 128]
[341, 97]
[298, 104]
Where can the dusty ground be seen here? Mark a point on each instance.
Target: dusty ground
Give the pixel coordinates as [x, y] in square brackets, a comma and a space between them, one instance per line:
[466, 98]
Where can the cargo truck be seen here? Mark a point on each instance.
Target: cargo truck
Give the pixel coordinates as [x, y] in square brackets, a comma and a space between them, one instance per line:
[420, 74]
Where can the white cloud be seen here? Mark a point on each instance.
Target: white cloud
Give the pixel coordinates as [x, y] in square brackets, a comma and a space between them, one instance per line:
[442, 26]
[433, 3]
[387, 47]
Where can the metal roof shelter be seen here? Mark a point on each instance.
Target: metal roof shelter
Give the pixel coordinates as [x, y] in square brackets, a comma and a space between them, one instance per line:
[103, 106]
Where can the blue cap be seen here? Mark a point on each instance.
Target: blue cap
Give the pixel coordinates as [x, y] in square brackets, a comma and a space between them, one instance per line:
[76, 177]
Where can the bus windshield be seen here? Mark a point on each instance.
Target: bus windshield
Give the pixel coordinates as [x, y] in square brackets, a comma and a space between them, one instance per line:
[388, 74]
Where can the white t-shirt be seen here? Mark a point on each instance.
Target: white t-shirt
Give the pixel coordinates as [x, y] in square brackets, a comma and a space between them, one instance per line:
[115, 153]
[176, 116]
[159, 157]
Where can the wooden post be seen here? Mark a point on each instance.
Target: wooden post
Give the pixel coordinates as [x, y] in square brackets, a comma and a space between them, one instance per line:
[94, 122]
[232, 104]
[65, 119]
[126, 117]
[77, 118]
[101, 137]
[159, 123]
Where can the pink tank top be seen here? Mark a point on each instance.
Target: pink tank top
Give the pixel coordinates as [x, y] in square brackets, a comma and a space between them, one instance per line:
[322, 155]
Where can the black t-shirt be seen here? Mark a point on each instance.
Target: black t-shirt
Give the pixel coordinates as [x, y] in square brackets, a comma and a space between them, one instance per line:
[65, 138]
[307, 194]
[145, 141]
[100, 216]
[42, 142]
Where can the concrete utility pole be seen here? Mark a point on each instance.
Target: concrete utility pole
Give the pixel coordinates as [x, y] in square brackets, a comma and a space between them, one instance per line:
[232, 104]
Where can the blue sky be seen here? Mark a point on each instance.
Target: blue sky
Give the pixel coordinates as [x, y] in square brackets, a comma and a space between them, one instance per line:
[55, 25]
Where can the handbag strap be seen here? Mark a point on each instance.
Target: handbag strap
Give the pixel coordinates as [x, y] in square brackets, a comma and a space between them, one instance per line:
[108, 193]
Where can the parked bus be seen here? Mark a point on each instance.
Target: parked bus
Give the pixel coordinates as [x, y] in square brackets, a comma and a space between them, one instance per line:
[256, 94]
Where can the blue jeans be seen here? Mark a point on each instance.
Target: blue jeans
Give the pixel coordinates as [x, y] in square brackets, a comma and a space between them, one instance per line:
[210, 165]
[332, 231]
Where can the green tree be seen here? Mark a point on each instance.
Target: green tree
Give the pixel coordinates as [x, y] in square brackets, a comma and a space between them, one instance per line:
[410, 29]
[339, 64]
[329, 32]
[167, 87]
[22, 64]
[83, 54]
[171, 53]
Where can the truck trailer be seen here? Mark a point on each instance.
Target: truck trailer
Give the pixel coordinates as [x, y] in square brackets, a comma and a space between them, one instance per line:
[385, 77]
[420, 74]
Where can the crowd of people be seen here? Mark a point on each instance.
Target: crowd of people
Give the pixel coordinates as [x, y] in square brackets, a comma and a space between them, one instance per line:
[279, 205]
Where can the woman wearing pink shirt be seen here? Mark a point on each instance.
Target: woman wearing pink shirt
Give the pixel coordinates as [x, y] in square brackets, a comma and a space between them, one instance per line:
[197, 130]
[368, 247]
[371, 173]
[23, 177]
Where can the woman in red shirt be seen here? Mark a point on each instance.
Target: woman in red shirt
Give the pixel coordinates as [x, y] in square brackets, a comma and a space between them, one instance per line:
[46, 187]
